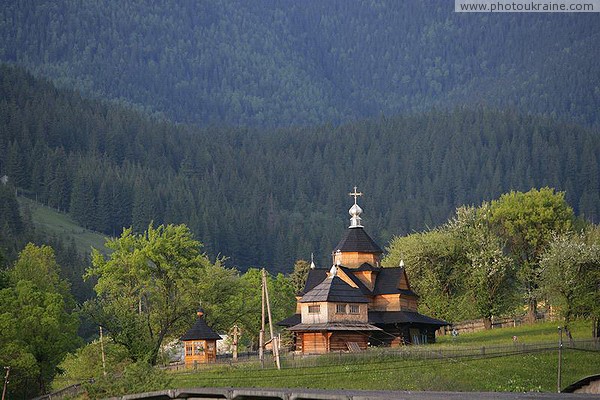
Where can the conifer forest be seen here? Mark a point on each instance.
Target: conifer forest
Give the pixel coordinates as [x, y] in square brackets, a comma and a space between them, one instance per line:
[231, 132]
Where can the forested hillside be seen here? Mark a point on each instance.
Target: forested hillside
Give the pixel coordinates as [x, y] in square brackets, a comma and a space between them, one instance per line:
[262, 63]
[268, 197]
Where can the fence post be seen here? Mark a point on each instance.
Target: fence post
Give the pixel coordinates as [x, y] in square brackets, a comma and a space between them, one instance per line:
[559, 357]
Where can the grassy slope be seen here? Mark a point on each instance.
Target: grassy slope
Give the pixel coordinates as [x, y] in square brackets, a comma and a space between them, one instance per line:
[55, 223]
[541, 332]
[527, 372]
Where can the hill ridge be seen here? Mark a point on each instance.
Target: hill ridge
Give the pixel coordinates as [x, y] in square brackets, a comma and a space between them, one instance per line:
[282, 63]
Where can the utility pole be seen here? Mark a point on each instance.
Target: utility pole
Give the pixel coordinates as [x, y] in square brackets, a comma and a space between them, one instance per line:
[102, 351]
[236, 332]
[558, 384]
[274, 341]
[261, 336]
[5, 382]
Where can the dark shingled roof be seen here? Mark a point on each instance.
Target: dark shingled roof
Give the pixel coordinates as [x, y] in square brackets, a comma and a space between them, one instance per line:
[356, 239]
[403, 317]
[381, 318]
[388, 280]
[334, 289]
[200, 331]
[290, 321]
[315, 276]
[367, 267]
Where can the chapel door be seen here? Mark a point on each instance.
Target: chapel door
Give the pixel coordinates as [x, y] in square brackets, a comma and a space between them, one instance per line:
[210, 351]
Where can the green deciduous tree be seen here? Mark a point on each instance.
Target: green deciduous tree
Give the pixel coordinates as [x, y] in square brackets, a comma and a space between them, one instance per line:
[479, 263]
[38, 265]
[527, 222]
[434, 261]
[135, 378]
[86, 363]
[570, 275]
[245, 305]
[37, 328]
[148, 287]
[489, 282]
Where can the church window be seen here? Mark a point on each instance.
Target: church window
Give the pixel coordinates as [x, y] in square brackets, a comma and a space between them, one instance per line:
[354, 309]
[340, 309]
[314, 309]
[198, 348]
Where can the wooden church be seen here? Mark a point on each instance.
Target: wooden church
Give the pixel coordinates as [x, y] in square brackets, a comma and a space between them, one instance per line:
[357, 303]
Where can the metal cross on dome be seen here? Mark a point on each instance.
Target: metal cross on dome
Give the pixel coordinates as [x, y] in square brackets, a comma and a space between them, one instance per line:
[355, 194]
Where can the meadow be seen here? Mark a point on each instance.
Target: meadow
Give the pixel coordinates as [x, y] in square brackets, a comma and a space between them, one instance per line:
[394, 370]
[54, 223]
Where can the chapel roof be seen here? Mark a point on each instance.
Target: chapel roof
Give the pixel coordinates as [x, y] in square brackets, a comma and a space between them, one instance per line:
[200, 331]
[381, 318]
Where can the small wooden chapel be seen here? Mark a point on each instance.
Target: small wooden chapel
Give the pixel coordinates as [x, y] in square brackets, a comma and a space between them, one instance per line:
[200, 342]
[356, 302]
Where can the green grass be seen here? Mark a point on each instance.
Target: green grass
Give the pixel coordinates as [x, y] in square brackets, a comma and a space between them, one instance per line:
[54, 223]
[536, 333]
[525, 372]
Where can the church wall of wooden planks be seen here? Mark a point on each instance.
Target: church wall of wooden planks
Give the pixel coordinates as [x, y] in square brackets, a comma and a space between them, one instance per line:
[357, 303]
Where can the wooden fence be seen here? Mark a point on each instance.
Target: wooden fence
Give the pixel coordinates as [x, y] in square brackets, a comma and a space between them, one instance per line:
[292, 360]
[477, 325]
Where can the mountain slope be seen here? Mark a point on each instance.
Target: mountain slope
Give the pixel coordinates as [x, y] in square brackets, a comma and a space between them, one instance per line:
[298, 63]
[51, 223]
[267, 197]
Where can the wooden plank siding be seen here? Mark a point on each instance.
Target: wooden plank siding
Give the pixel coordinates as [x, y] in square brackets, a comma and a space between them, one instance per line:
[367, 278]
[394, 302]
[355, 259]
[325, 342]
[314, 342]
[200, 352]
[339, 340]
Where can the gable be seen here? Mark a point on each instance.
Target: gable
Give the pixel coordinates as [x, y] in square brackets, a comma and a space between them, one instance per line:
[393, 281]
[349, 274]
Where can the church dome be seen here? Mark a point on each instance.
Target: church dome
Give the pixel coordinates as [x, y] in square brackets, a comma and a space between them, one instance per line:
[355, 210]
